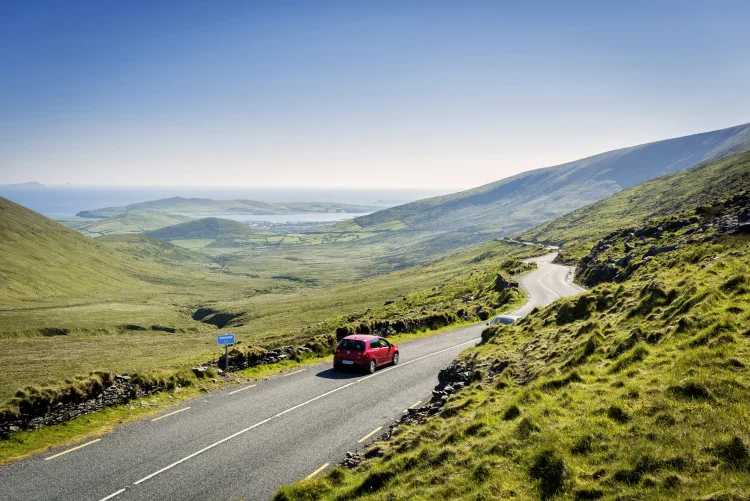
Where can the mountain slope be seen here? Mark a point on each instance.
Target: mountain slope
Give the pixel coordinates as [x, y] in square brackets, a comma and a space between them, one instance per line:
[42, 258]
[525, 200]
[208, 207]
[152, 249]
[660, 197]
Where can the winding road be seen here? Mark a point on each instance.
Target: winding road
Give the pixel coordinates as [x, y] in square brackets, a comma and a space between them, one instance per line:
[246, 442]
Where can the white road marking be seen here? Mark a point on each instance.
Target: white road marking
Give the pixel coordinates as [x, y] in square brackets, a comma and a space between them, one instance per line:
[113, 495]
[540, 283]
[311, 475]
[260, 423]
[73, 449]
[295, 372]
[373, 432]
[241, 389]
[412, 406]
[170, 414]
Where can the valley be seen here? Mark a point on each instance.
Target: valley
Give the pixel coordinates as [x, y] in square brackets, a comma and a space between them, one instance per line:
[381, 251]
[150, 303]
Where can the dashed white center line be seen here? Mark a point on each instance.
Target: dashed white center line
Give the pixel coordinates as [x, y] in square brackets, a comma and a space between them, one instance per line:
[170, 414]
[241, 389]
[113, 495]
[323, 395]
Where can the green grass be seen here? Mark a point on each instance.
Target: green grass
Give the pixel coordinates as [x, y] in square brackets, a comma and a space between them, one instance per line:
[147, 248]
[636, 390]
[42, 258]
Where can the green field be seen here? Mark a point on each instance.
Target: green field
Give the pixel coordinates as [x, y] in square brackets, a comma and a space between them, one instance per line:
[112, 300]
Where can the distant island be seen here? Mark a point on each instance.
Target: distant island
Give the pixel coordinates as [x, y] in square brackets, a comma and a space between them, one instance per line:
[30, 184]
[203, 207]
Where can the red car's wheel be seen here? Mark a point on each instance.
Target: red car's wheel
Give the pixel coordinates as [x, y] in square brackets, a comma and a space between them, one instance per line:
[371, 368]
[395, 358]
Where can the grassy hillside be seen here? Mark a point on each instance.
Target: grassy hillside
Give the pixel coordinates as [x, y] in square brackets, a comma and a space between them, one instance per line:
[143, 247]
[134, 222]
[41, 258]
[527, 199]
[202, 207]
[212, 231]
[660, 197]
[633, 390]
[115, 332]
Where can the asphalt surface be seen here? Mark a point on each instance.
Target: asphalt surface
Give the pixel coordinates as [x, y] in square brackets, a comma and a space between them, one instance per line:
[230, 444]
[548, 283]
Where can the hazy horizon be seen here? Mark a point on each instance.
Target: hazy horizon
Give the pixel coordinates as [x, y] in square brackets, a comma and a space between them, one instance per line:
[276, 94]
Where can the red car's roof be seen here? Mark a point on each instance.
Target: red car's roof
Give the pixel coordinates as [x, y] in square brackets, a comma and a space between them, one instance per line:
[361, 337]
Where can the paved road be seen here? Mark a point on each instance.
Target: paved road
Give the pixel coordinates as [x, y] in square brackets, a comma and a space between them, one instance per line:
[546, 284]
[245, 442]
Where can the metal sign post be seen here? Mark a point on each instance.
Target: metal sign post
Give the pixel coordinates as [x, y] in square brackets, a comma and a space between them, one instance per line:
[226, 340]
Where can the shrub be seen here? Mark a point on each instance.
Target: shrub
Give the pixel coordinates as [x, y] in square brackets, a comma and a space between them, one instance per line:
[692, 390]
[550, 471]
[734, 453]
[579, 308]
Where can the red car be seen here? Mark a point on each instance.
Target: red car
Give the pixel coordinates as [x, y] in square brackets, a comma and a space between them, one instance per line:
[367, 352]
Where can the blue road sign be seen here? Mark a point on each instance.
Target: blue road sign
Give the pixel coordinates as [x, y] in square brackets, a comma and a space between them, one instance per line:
[225, 339]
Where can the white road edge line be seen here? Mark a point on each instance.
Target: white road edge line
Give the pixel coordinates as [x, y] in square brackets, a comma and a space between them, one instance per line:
[412, 406]
[72, 449]
[295, 372]
[373, 432]
[245, 430]
[540, 283]
[241, 389]
[170, 414]
[311, 475]
[113, 495]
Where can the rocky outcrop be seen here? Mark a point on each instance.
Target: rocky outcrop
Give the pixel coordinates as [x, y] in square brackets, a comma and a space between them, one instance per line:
[728, 218]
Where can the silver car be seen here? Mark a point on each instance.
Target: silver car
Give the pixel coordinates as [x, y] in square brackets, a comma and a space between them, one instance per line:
[504, 319]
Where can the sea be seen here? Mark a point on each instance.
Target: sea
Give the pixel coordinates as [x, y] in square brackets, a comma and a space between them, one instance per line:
[61, 201]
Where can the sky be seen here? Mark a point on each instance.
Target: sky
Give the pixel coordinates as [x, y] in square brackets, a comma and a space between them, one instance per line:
[432, 94]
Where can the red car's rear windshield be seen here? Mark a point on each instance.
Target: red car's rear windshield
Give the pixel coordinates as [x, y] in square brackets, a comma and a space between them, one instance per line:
[349, 344]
